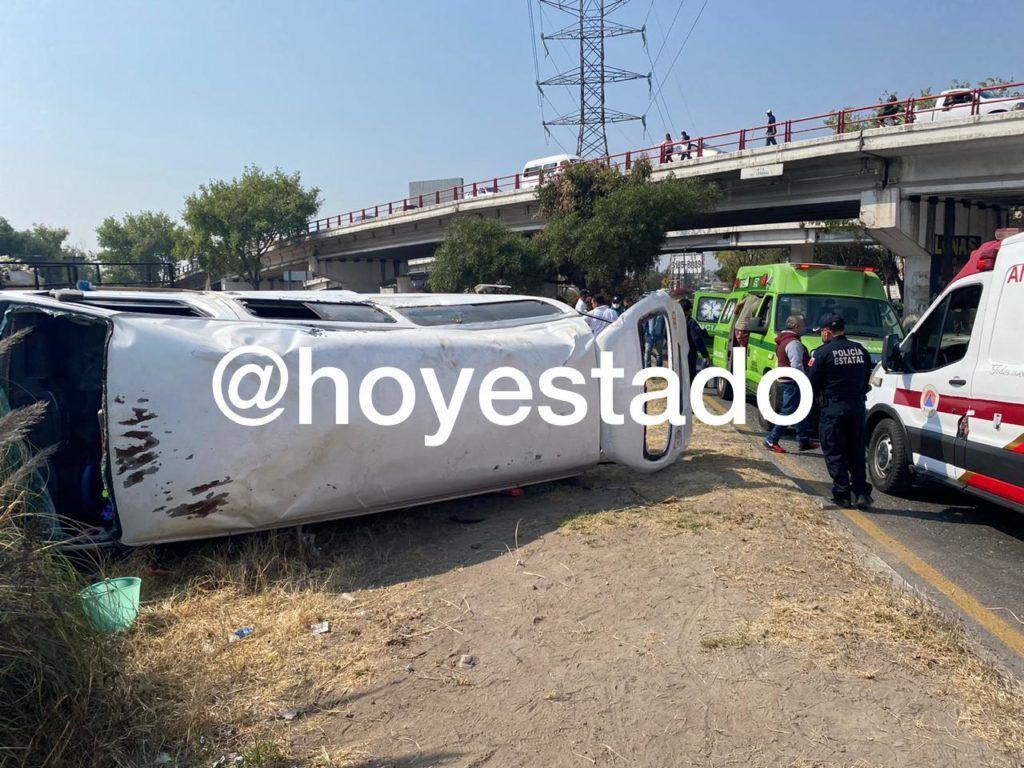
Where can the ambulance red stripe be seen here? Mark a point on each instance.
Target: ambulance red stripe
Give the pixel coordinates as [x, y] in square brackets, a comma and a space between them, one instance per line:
[1012, 413]
[995, 487]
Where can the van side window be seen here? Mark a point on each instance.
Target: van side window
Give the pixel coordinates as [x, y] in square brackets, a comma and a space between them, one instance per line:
[727, 311]
[945, 335]
[764, 313]
[956, 331]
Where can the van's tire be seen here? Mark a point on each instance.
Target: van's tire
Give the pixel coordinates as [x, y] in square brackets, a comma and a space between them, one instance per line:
[889, 458]
[723, 388]
[775, 397]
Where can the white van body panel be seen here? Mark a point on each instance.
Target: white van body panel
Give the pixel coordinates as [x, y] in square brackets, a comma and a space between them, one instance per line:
[178, 468]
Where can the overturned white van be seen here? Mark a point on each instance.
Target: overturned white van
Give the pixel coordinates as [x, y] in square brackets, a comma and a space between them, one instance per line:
[145, 454]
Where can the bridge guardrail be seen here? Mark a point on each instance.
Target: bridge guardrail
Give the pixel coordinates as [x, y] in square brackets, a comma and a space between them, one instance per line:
[888, 113]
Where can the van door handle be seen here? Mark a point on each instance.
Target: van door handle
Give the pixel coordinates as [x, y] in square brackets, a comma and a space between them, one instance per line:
[958, 382]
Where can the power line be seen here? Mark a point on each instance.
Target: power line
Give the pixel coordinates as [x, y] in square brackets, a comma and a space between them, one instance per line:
[666, 115]
[679, 52]
[648, 14]
[668, 31]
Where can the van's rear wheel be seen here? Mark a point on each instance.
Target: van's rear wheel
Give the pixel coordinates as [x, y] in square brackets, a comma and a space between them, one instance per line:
[889, 458]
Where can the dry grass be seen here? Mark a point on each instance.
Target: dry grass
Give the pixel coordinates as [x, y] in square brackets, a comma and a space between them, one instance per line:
[221, 697]
[825, 604]
[64, 696]
[841, 629]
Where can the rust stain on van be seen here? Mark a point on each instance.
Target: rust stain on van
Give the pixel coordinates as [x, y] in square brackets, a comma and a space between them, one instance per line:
[139, 475]
[198, 489]
[141, 416]
[201, 508]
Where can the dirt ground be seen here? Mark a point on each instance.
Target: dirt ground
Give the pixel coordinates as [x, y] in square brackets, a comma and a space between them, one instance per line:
[709, 615]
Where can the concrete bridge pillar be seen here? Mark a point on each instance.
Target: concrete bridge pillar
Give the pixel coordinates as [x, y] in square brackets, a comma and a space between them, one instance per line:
[934, 236]
[897, 224]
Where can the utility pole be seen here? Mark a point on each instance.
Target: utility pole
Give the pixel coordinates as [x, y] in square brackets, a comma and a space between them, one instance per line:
[591, 27]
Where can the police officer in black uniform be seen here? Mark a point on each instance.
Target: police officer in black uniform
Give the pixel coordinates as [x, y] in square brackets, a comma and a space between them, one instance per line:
[840, 371]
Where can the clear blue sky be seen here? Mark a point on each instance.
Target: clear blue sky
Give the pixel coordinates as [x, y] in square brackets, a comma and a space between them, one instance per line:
[107, 108]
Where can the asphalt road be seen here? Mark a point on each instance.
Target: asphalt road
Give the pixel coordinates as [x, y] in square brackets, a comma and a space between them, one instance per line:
[964, 553]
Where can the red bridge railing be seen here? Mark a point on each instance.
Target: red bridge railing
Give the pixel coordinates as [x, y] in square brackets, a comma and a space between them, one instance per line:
[947, 106]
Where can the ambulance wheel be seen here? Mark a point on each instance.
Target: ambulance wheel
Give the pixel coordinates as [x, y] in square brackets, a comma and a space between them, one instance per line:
[723, 389]
[889, 458]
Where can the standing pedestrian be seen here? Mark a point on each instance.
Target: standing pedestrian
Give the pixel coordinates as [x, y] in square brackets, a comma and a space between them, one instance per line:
[601, 315]
[840, 371]
[790, 352]
[667, 147]
[771, 130]
[655, 335]
[695, 339]
[685, 145]
[889, 112]
[583, 303]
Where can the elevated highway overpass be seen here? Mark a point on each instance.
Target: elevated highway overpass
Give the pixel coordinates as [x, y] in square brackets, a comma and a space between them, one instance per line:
[926, 189]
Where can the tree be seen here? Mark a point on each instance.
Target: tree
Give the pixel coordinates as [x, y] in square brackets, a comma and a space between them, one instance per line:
[146, 239]
[605, 229]
[729, 262]
[232, 224]
[41, 244]
[477, 250]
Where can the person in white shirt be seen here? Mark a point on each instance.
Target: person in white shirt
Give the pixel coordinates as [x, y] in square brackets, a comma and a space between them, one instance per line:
[583, 304]
[601, 316]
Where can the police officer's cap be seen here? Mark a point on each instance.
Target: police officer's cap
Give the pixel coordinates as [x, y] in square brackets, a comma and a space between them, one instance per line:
[834, 322]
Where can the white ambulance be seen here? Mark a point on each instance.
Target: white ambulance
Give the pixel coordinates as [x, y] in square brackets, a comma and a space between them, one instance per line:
[948, 402]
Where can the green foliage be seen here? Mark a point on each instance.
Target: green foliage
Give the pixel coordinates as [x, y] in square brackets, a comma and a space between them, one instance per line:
[146, 239]
[605, 229]
[38, 244]
[476, 250]
[729, 262]
[232, 224]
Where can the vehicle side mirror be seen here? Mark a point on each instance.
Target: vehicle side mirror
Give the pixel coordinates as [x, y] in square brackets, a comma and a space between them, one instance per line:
[759, 328]
[892, 353]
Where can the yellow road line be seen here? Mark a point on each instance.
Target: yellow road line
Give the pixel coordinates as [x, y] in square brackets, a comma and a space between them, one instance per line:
[713, 405]
[965, 601]
[960, 597]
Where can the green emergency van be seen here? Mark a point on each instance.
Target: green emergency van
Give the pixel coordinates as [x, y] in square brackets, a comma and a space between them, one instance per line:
[764, 296]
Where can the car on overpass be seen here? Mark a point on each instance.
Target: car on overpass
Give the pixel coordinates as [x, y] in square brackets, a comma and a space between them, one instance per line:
[957, 103]
[146, 453]
[947, 402]
[535, 171]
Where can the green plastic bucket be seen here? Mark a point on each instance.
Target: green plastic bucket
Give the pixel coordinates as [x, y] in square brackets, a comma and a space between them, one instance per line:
[112, 605]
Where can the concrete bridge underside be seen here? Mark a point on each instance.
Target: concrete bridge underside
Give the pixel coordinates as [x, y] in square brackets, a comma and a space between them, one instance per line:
[927, 191]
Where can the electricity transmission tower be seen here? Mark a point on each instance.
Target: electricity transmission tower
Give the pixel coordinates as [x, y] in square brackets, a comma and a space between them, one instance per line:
[591, 27]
